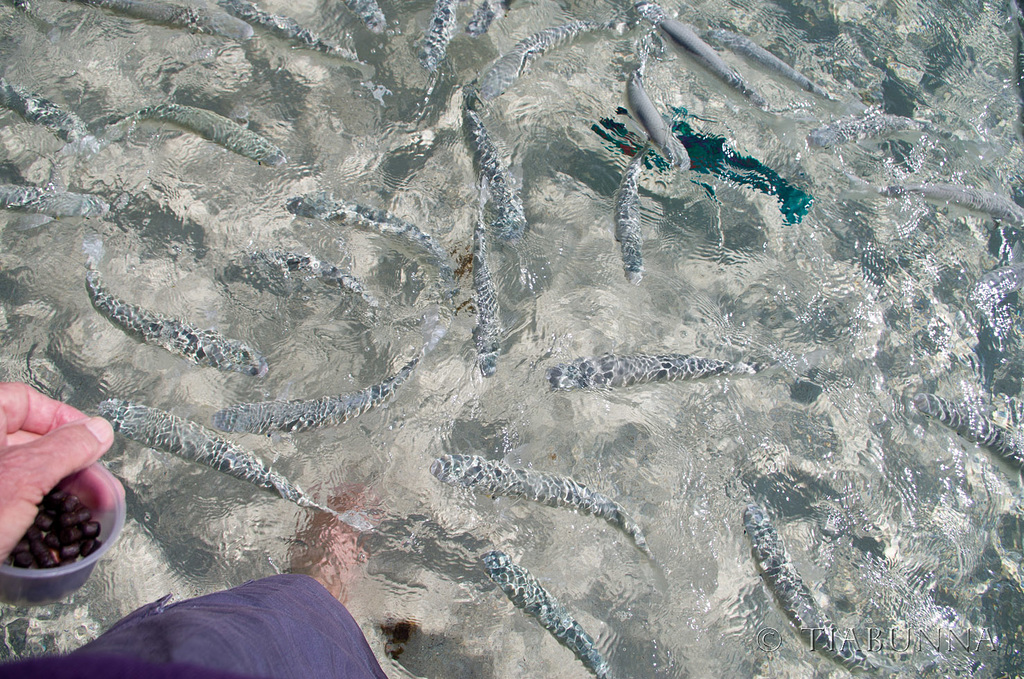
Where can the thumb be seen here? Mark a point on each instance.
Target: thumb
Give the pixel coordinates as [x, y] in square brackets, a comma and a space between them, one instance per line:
[30, 470]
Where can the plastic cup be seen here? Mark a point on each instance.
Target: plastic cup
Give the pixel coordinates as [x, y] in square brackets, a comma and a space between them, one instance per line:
[103, 494]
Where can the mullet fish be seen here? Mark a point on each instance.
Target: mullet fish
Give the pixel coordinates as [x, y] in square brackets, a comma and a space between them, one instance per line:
[204, 347]
[284, 27]
[527, 594]
[51, 202]
[686, 37]
[216, 128]
[369, 12]
[320, 206]
[627, 218]
[868, 126]
[487, 332]
[509, 220]
[293, 262]
[511, 65]
[785, 583]
[658, 129]
[622, 371]
[748, 48]
[36, 109]
[484, 16]
[992, 204]
[161, 430]
[259, 418]
[497, 478]
[972, 424]
[440, 31]
[195, 18]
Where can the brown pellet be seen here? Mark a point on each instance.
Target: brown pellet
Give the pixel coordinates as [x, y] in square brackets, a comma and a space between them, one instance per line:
[90, 546]
[90, 529]
[23, 560]
[70, 552]
[43, 521]
[75, 517]
[52, 541]
[70, 535]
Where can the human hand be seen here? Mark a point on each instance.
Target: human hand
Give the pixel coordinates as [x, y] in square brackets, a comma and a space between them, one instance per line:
[41, 442]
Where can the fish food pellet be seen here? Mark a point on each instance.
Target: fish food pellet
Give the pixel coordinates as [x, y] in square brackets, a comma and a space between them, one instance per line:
[62, 532]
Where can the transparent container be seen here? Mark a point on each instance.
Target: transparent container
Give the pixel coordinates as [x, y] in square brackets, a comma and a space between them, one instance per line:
[103, 494]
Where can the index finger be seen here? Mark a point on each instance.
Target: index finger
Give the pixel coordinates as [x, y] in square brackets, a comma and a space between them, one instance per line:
[26, 409]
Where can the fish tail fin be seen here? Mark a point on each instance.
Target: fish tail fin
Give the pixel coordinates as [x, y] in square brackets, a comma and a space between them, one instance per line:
[92, 248]
[434, 327]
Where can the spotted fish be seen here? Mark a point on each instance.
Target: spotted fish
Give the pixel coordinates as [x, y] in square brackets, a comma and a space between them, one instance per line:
[792, 594]
[509, 221]
[627, 218]
[686, 37]
[320, 206]
[51, 202]
[288, 263]
[486, 13]
[972, 424]
[992, 204]
[161, 430]
[284, 27]
[217, 129]
[658, 129]
[991, 288]
[868, 126]
[195, 18]
[511, 65]
[487, 332]
[259, 418]
[370, 13]
[622, 371]
[440, 31]
[204, 347]
[527, 594]
[36, 109]
[497, 478]
[748, 48]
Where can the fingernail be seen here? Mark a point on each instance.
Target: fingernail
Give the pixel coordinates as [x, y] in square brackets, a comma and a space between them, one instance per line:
[101, 429]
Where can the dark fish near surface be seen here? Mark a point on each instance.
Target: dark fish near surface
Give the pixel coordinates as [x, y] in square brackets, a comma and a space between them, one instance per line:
[527, 594]
[259, 418]
[627, 218]
[992, 204]
[486, 13]
[654, 123]
[440, 30]
[972, 424]
[369, 12]
[686, 37]
[745, 46]
[509, 220]
[216, 128]
[195, 18]
[787, 586]
[284, 27]
[622, 371]
[511, 65]
[204, 347]
[320, 206]
[161, 430]
[870, 125]
[497, 478]
[487, 332]
[36, 109]
[50, 202]
[293, 262]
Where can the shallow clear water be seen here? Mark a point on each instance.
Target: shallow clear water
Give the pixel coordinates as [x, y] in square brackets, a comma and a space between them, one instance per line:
[892, 520]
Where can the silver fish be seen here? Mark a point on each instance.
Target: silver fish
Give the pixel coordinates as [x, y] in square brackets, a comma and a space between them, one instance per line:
[217, 129]
[321, 206]
[659, 131]
[36, 109]
[195, 18]
[497, 478]
[486, 13]
[285, 27]
[622, 371]
[509, 220]
[991, 288]
[972, 424]
[627, 218]
[487, 332]
[370, 13]
[746, 47]
[527, 594]
[685, 36]
[161, 430]
[511, 65]
[259, 418]
[204, 347]
[51, 202]
[440, 31]
[992, 204]
[293, 262]
[785, 583]
[870, 125]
